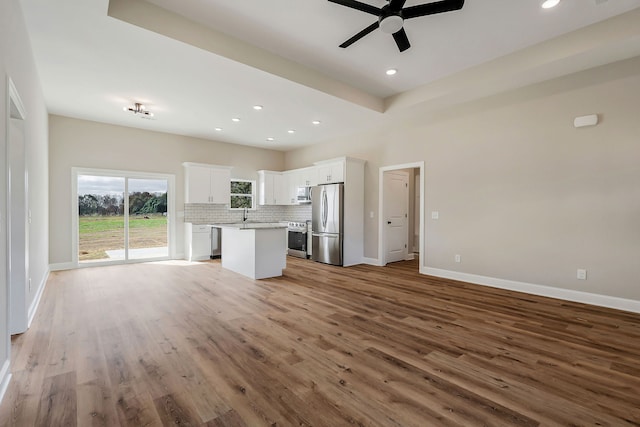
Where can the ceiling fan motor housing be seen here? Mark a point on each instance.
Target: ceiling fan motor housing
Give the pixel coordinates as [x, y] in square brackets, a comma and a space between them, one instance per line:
[391, 24]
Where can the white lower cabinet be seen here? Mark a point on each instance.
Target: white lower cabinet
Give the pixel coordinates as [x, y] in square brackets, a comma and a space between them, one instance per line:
[197, 242]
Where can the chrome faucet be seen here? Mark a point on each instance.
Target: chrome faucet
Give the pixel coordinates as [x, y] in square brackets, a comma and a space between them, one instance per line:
[245, 215]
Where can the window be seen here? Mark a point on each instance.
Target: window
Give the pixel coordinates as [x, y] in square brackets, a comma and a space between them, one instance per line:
[243, 194]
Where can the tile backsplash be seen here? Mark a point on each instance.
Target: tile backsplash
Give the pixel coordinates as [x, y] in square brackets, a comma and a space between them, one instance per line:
[202, 213]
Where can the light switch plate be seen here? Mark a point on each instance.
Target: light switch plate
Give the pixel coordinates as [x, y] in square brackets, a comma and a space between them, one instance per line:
[435, 214]
[582, 274]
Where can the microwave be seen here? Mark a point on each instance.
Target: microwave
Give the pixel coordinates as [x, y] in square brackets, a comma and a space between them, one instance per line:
[303, 195]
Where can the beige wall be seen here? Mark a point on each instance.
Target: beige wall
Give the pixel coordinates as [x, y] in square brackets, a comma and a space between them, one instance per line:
[522, 194]
[16, 62]
[80, 143]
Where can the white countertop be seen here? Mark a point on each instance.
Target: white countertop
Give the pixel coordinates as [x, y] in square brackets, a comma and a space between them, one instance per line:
[250, 225]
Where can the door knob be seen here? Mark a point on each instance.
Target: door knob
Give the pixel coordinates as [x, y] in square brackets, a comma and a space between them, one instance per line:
[388, 222]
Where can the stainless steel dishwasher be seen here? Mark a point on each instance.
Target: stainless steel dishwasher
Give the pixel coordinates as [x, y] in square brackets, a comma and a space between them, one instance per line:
[216, 243]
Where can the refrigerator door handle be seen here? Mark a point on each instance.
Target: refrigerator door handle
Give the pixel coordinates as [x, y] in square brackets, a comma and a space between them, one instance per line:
[331, 236]
[325, 209]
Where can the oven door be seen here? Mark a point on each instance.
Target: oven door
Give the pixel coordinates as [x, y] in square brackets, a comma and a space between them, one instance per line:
[297, 243]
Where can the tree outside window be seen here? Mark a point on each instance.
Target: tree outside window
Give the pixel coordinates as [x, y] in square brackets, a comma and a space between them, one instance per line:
[242, 194]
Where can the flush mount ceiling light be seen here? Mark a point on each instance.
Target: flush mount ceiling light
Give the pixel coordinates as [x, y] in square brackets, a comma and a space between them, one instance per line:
[139, 108]
[391, 71]
[291, 131]
[257, 107]
[271, 139]
[548, 4]
[218, 129]
[316, 122]
[235, 119]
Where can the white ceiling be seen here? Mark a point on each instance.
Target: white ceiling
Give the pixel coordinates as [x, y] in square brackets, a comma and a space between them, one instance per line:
[198, 63]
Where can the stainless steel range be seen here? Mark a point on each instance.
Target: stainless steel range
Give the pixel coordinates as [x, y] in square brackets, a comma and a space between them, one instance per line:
[297, 239]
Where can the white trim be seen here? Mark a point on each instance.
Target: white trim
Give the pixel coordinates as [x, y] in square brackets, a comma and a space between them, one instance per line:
[36, 300]
[410, 256]
[5, 378]
[371, 261]
[62, 266]
[541, 290]
[381, 172]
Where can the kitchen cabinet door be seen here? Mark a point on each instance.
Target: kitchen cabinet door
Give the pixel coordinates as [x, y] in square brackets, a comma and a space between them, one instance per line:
[331, 173]
[198, 184]
[220, 186]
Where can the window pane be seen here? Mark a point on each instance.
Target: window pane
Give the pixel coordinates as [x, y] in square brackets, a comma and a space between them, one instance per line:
[241, 187]
[148, 218]
[239, 202]
[100, 218]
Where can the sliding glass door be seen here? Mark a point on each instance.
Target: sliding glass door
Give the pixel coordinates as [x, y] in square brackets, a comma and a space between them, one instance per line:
[121, 216]
[148, 219]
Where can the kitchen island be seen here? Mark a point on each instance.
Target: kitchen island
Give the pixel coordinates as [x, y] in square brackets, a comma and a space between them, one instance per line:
[255, 250]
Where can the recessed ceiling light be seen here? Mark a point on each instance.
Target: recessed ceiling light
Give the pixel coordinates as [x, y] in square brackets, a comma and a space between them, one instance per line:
[257, 107]
[316, 122]
[218, 129]
[391, 71]
[291, 131]
[270, 139]
[548, 4]
[235, 119]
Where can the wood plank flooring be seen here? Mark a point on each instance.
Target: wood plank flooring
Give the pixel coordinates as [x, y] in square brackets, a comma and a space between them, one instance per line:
[195, 345]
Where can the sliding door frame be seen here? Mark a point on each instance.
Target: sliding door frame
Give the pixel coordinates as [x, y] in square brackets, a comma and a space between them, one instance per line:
[171, 213]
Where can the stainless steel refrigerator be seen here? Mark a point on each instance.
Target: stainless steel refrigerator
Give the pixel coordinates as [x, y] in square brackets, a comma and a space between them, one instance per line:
[326, 223]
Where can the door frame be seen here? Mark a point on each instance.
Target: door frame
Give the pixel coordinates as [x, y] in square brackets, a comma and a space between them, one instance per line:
[381, 228]
[17, 293]
[171, 212]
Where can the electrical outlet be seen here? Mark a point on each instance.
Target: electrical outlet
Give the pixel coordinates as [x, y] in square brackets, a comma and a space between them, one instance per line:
[457, 258]
[582, 274]
[435, 215]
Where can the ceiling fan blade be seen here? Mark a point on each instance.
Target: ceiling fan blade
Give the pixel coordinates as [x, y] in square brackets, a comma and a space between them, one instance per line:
[402, 40]
[432, 8]
[359, 6]
[396, 5]
[360, 35]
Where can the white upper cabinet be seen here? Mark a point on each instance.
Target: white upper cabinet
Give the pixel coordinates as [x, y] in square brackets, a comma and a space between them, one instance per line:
[329, 173]
[207, 183]
[273, 188]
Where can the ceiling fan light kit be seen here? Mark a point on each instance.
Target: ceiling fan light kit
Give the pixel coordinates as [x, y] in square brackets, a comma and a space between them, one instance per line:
[391, 17]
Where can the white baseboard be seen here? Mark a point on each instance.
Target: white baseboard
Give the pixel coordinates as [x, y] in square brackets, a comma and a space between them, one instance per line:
[410, 257]
[36, 301]
[5, 378]
[541, 290]
[62, 266]
[372, 261]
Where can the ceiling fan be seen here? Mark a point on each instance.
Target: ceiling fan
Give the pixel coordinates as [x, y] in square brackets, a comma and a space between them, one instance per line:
[391, 17]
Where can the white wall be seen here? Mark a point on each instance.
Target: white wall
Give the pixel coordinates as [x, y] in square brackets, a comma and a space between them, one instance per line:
[16, 62]
[86, 144]
[522, 194]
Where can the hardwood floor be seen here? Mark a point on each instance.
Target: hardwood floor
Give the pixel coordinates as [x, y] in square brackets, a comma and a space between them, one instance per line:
[169, 343]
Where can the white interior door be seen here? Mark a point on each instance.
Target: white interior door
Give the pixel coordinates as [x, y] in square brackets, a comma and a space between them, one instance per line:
[395, 215]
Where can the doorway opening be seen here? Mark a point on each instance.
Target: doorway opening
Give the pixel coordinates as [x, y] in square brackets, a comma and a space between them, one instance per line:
[401, 213]
[122, 217]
